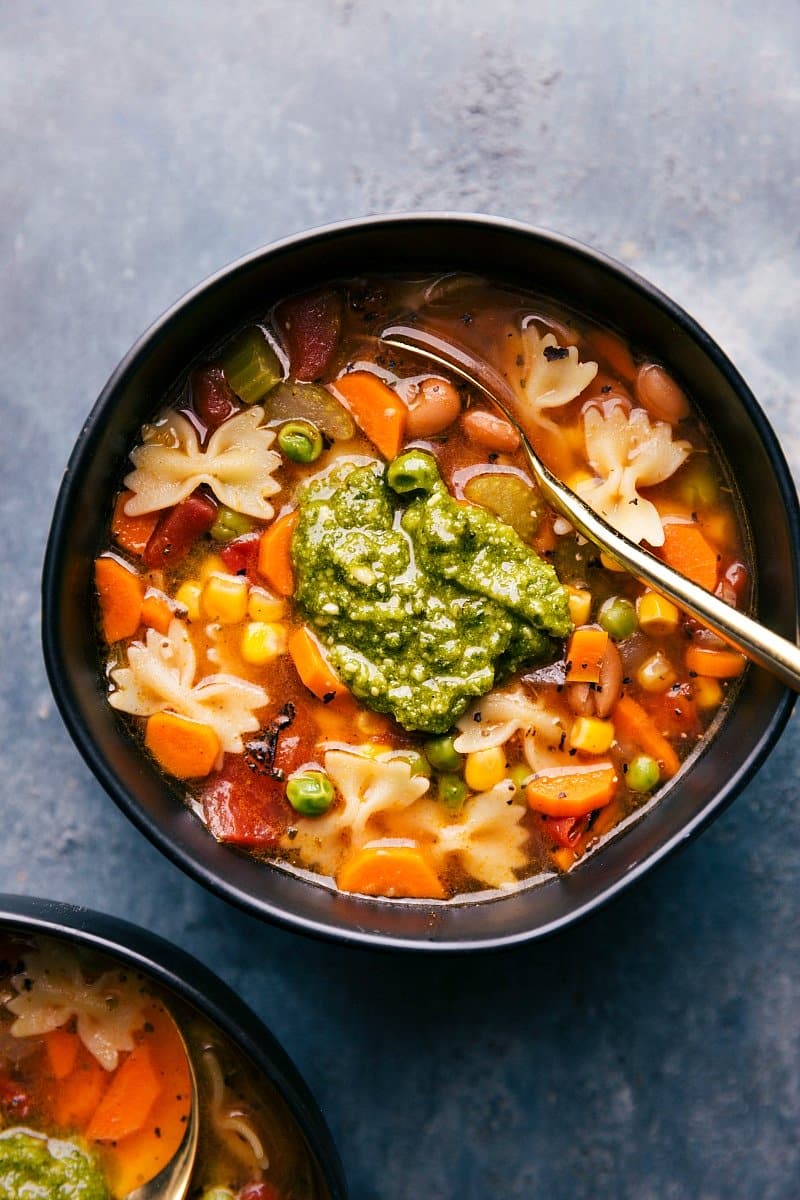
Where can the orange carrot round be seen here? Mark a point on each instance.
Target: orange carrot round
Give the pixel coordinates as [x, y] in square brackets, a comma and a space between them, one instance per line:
[391, 871]
[585, 653]
[377, 409]
[131, 533]
[120, 592]
[716, 664]
[633, 724]
[686, 549]
[186, 749]
[275, 553]
[312, 667]
[572, 791]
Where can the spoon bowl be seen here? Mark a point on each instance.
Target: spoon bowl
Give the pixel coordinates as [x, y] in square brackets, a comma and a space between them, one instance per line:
[762, 645]
[172, 1181]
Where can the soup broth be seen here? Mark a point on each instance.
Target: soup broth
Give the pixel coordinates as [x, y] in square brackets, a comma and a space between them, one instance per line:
[93, 1071]
[340, 616]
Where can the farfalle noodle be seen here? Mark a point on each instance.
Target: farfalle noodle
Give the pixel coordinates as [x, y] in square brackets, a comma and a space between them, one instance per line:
[628, 451]
[554, 375]
[237, 464]
[160, 676]
[52, 991]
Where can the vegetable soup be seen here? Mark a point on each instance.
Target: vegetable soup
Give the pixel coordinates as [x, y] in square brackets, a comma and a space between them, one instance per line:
[95, 1088]
[339, 615]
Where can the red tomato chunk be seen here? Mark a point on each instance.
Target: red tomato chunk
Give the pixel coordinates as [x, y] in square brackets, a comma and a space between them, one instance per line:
[178, 529]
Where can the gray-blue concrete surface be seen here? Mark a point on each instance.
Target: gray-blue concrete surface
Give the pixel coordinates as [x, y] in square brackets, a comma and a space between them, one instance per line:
[653, 1053]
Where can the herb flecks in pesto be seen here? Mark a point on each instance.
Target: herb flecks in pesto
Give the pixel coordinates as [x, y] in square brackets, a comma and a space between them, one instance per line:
[46, 1169]
[420, 609]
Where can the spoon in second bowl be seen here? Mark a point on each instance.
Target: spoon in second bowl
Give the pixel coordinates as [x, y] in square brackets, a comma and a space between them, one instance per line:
[771, 651]
[172, 1181]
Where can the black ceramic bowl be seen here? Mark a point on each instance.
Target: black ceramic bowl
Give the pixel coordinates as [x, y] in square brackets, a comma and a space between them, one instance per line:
[198, 988]
[541, 262]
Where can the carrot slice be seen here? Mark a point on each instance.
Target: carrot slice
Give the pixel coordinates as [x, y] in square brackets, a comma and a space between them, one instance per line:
[572, 791]
[632, 723]
[275, 553]
[120, 591]
[142, 1154]
[79, 1093]
[131, 533]
[186, 749]
[378, 410]
[128, 1099]
[62, 1049]
[687, 551]
[585, 654]
[312, 667]
[718, 664]
[391, 871]
[156, 612]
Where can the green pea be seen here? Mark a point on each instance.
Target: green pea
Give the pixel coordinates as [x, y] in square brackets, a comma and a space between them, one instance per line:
[643, 773]
[519, 774]
[618, 617]
[442, 754]
[217, 1193]
[300, 441]
[229, 524]
[452, 791]
[310, 794]
[417, 762]
[413, 471]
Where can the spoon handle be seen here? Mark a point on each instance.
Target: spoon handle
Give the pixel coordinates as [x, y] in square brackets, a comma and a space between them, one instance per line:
[765, 647]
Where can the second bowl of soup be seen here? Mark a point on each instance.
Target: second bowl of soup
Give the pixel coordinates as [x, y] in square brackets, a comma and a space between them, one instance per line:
[347, 644]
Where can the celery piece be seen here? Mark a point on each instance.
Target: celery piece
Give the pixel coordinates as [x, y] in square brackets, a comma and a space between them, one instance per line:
[310, 402]
[251, 366]
[510, 498]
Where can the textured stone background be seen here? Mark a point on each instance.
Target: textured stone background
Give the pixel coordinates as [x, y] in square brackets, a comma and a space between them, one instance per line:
[653, 1052]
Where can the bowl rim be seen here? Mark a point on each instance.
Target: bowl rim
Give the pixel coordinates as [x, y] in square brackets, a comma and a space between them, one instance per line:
[70, 485]
[197, 985]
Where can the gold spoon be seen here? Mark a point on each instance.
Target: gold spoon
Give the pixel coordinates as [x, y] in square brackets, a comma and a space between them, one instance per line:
[778, 655]
[172, 1181]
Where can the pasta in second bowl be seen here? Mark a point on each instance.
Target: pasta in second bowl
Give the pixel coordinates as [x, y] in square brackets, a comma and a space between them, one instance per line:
[347, 628]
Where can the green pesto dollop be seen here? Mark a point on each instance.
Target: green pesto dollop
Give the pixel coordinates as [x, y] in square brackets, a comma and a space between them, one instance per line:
[40, 1168]
[420, 609]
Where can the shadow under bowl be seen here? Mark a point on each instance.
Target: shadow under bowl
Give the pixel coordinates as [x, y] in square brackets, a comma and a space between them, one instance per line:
[538, 261]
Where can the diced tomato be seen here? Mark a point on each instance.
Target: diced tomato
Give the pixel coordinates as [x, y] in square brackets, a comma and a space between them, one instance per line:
[14, 1100]
[310, 325]
[259, 1191]
[243, 803]
[243, 807]
[674, 712]
[565, 831]
[178, 529]
[213, 399]
[241, 556]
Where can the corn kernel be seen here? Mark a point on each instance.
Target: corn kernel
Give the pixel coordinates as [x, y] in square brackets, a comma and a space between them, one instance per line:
[590, 735]
[706, 692]
[485, 768]
[580, 605]
[188, 595]
[262, 641]
[225, 598]
[211, 565]
[263, 607]
[658, 617]
[656, 674]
